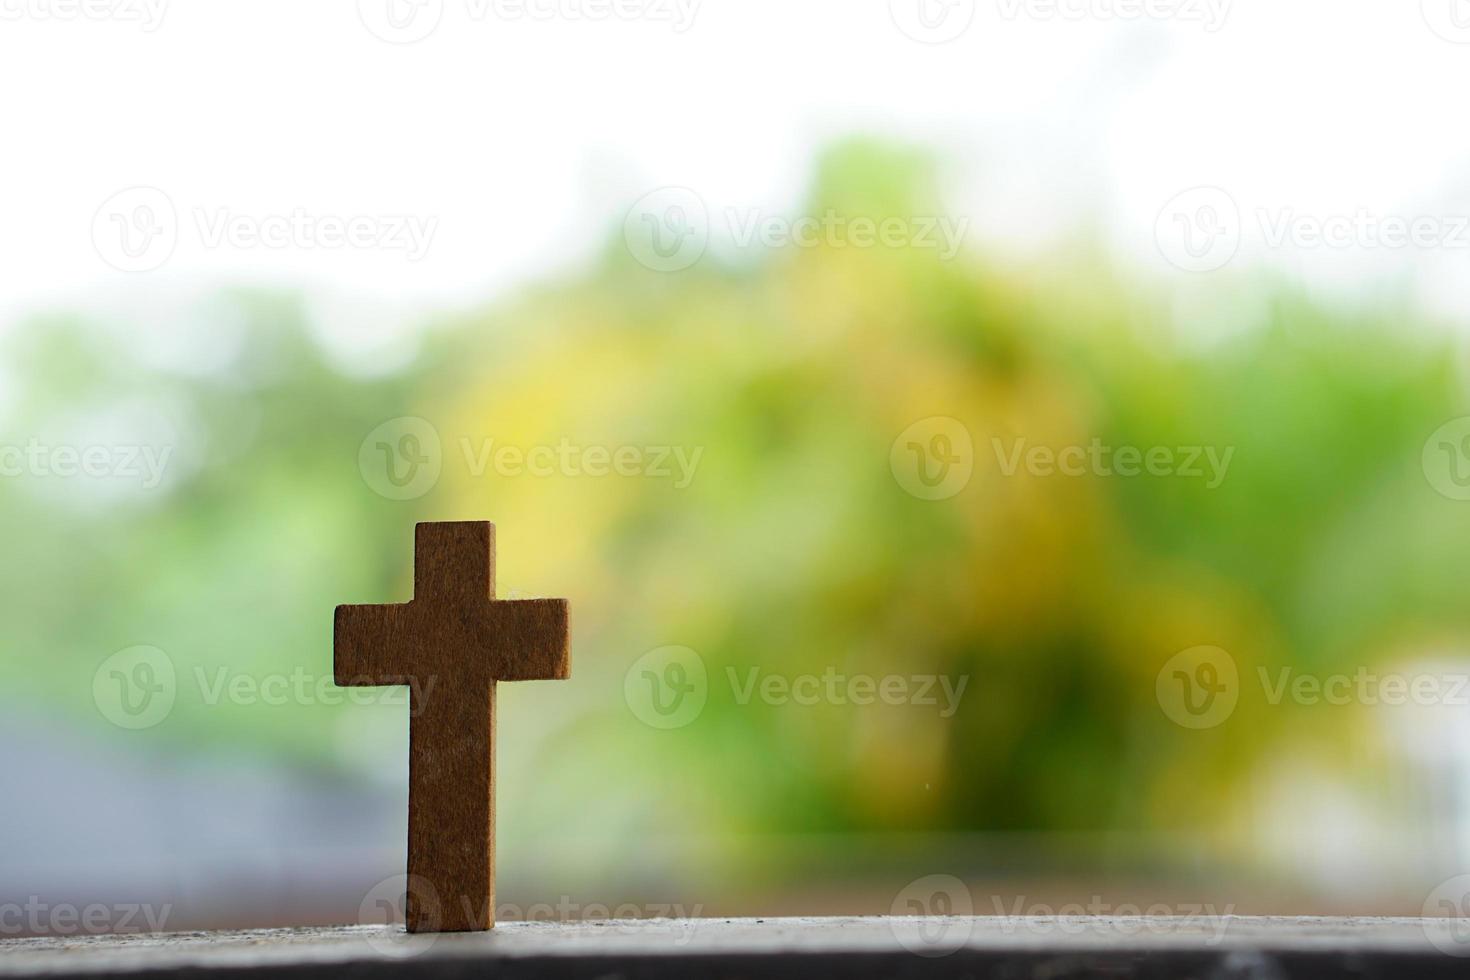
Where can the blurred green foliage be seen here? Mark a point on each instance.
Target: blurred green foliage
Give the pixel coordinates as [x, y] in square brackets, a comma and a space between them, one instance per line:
[794, 549]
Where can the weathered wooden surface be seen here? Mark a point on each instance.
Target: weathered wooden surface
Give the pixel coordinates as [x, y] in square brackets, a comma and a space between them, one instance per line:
[1054, 948]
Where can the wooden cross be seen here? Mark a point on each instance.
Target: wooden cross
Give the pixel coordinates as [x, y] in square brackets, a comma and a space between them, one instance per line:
[451, 644]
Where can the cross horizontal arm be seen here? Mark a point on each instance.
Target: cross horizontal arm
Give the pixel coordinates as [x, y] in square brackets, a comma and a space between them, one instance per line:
[368, 644]
[531, 640]
[514, 640]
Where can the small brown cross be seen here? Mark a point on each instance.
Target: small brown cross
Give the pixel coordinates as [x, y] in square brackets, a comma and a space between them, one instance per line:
[451, 644]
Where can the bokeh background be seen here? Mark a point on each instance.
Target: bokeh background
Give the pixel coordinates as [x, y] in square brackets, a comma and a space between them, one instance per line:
[818, 431]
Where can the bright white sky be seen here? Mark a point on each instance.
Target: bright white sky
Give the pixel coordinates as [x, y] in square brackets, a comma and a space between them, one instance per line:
[528, 139]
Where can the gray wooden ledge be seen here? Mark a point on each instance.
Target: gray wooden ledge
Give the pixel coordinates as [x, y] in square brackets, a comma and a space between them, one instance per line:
[1003, 947]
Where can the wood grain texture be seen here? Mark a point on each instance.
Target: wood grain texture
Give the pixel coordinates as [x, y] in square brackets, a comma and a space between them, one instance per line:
[453, 642]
